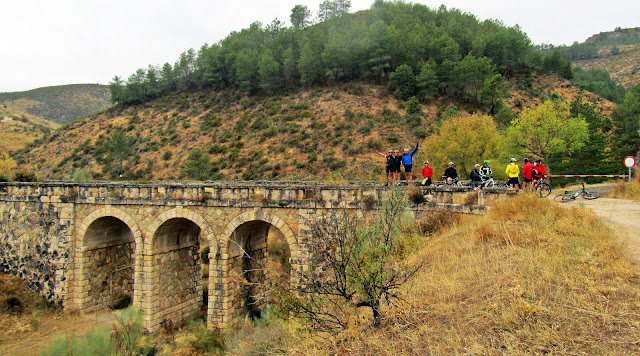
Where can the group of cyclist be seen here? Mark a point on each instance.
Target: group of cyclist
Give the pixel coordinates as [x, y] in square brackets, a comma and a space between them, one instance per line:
[481, 174]
[393, 162]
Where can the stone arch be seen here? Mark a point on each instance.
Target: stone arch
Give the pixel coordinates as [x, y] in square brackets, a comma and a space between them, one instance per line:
[172, 266]
[179, 212]
[259, 215]
[224, 302]
[106, 256]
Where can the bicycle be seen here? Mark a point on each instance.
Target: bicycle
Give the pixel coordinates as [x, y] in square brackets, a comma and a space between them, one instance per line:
[544, 188]
[451, 181]
[490, 183]
[573, 195]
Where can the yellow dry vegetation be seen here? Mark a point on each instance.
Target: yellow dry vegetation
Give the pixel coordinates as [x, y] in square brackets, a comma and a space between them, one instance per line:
[17, 129]
[529, 277]
[623, 66]
[625, 191]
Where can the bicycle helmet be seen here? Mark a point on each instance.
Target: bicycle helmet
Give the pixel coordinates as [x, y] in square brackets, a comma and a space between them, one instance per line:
[526, 160]
[513, 160]
[538, 160]
[450, 163]
[486, 161]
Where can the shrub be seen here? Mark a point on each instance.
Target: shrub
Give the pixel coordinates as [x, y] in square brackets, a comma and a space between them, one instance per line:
[3, 178]
[337, 164]
[374, 144]
[25, 176]
[82, 176]
[204, 254]
[416, 195]
[167, 155]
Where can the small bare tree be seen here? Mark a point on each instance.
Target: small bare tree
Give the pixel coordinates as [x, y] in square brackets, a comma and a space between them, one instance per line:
[355, 264]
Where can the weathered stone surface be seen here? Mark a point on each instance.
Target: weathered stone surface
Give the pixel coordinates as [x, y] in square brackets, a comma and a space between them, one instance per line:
[58, 237]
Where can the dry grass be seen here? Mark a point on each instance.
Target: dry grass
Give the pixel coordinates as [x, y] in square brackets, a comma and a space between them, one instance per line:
[624, 191]
[528, 277]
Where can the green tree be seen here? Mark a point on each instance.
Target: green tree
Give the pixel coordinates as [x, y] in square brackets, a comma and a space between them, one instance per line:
[548, 131]
[379, 48]
[289, 66]
[310, 64]
[247, 70]
[117, 88]
[117, 149]
[269, 72]
[493, 91]
[427, 80]
[184, 69]
[626, 119]
[464, 140]
[469, 75]
[168, 81]
[198, 165]
[300, 16]
[595, 157]
[402, 82]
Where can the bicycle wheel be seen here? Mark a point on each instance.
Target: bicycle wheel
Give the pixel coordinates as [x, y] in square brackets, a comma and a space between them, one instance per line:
[543, 190]
[590, 195]
[563, 198]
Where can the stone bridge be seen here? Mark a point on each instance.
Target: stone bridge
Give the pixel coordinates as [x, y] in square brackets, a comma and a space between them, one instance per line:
[88, 246]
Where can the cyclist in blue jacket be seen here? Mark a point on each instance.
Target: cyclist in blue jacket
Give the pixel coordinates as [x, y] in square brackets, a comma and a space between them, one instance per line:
[407, 162]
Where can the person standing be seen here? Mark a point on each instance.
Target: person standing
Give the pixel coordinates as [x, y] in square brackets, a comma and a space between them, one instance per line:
[539, 170]
[407, 162]
[427, 173]
[475, 176]
[397, 161]
[390, 166]
[486, 172]
[513, 172]
[527, 172]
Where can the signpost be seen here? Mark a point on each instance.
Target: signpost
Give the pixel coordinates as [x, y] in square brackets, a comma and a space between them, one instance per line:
[629, 161]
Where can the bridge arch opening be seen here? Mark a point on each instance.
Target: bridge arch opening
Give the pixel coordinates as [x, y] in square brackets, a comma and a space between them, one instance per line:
[259, 267]
[177, 264]
[109, 255]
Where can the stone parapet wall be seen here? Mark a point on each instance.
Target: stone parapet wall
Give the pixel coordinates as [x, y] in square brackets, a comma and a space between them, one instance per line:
[293, 195]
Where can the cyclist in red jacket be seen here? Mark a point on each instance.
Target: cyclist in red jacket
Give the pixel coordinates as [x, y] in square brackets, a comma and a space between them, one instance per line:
[527, 171]
[539, 170]
[427, 173]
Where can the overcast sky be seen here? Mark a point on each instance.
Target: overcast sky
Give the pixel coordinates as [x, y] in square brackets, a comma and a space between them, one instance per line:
[45, 43]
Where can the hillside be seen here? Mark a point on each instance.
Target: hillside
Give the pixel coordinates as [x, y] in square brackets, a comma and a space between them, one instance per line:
[617, 52]
[326, 133]
[18, 129]
[624, 65]
[60, 104]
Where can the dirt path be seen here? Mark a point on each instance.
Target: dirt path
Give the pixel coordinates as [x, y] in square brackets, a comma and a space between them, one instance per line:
[17, 338]
[623, 216]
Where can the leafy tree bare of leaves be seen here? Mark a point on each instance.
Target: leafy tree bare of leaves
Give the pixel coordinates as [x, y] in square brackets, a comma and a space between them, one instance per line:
[354, 266]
